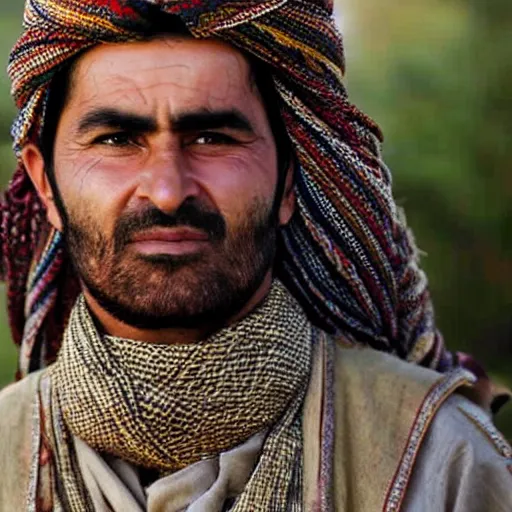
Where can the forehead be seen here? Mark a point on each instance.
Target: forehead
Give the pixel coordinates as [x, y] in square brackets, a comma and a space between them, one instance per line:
[181, 72]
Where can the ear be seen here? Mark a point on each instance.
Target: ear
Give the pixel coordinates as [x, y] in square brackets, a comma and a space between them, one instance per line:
[34, 164]
[287, 207]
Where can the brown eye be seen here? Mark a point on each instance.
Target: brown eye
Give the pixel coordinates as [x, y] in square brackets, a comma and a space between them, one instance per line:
[116, 140]
[213, 139]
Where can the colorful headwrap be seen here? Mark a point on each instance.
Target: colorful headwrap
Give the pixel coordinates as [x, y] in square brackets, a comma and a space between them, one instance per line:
[347, 255]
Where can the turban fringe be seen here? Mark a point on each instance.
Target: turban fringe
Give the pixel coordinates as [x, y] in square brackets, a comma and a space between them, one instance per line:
[347, 255]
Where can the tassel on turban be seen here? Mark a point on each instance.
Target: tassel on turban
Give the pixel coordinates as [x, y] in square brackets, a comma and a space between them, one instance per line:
[347, 255]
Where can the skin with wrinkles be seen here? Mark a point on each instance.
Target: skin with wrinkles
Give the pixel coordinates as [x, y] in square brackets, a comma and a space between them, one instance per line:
[166, 167]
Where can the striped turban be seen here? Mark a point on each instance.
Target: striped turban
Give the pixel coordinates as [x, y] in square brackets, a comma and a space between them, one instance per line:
[347, 255]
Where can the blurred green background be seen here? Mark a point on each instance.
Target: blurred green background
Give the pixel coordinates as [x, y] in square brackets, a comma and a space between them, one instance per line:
[436, 75]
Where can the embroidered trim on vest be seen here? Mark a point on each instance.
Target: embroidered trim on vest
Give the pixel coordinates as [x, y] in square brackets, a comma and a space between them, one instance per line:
[484, 423]
[36, 445]
[433, 400]
[327, 430]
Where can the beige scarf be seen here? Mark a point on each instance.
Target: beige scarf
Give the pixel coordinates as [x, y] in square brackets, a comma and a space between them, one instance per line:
[166, 407]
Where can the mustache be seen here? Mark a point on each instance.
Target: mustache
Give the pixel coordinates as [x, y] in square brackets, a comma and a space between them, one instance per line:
[189, 214]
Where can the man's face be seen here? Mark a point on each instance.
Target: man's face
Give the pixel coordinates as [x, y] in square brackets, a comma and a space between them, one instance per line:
[167, 168]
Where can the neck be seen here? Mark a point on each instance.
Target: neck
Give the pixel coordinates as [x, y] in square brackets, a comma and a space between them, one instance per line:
[170, 336]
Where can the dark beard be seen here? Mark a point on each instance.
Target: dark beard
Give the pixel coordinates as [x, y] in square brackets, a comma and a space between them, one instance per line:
[163, 291]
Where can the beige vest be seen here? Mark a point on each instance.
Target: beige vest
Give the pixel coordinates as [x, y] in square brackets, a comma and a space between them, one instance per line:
[383, 407]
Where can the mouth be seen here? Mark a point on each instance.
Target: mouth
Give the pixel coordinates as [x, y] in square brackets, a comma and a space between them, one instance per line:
[170, 241]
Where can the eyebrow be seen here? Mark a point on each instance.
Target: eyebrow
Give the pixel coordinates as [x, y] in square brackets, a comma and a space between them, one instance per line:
[211, 120]
[111, 118]
[185, 122]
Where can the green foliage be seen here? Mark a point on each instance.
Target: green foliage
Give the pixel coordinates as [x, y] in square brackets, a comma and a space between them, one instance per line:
[436, 75]
[10, 22]
[9, 30]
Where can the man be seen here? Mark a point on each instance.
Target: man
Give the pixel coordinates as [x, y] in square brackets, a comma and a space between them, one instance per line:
[231, 238]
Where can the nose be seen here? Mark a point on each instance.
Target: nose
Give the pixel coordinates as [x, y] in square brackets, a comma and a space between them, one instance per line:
[167, 182]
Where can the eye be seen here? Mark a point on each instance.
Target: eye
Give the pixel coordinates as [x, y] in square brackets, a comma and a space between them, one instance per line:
[116, 140]
[212, 138]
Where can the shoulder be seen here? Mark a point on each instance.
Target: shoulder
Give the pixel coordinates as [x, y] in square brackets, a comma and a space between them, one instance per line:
[419, 439]
[383, 408]
[463, 423]
[17, 402]
[374, 373]
[387, 399]
[465, 464]
[16, 398]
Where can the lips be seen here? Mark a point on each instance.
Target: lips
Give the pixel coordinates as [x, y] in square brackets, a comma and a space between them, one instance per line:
[180, 241]
[171, 235]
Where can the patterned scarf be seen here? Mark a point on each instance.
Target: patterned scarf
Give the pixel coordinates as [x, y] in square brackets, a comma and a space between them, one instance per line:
[346, 256]
[166, 407]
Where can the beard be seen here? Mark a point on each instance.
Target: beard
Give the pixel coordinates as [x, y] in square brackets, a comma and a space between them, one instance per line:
[199, 290]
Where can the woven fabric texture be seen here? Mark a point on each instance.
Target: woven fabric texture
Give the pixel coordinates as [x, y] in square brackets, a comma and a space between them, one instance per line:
[165, 407]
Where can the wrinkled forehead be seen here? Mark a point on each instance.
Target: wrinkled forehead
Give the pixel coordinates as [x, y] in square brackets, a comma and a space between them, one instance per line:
[180, 69]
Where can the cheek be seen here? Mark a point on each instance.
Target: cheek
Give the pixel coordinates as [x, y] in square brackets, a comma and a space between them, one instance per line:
[93, 187]
[235, 183]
